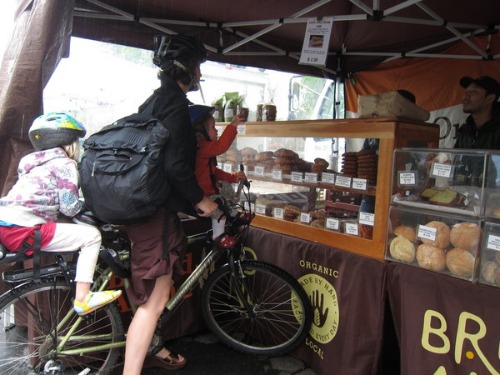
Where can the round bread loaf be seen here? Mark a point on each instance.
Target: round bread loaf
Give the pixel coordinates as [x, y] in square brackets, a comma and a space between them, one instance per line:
[460, 262]
[442, 239]
[402, 249]
[264, 155]
[497, 257]
[406, 232]
[431, 258]
[318, 223]
[285, 153]
[248, 151]
[465, 236]
[489, 270]
[322, 162]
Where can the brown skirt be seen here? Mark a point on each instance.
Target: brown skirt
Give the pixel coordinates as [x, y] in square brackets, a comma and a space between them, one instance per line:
[147, 262]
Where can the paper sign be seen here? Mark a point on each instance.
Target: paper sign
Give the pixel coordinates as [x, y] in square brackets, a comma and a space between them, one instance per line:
[333, 224]
[328, 178]
[316, 41]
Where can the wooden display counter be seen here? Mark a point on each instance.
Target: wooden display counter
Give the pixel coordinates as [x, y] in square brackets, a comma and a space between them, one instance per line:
[392, 133]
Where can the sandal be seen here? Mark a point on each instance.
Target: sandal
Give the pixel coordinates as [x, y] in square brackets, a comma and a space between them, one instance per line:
[171, 362]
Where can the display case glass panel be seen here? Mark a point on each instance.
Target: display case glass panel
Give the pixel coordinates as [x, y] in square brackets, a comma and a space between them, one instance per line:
[448, 244]
[445, 180]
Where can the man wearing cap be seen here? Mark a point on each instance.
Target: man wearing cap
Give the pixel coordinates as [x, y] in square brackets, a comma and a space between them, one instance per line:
[482, 127]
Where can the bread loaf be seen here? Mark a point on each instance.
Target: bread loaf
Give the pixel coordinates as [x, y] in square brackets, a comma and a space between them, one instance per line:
[460, 262]
[465, 236]
[431, 258]
[442, 238]
[402, 249]
[406, 232]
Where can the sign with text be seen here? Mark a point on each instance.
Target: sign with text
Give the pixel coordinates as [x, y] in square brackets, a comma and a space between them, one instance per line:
[316, 41]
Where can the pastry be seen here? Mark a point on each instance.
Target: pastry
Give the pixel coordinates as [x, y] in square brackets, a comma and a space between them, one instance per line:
[442, 238]
[402, 249]
[460, 262]
[445, 197]
[465, 236]
[431, 258]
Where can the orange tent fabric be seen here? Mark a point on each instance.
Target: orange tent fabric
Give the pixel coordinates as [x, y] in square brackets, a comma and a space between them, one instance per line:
[433, 81]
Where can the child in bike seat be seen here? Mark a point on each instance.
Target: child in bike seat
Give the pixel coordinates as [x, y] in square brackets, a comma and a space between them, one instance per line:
[209, 147]
[48, 186]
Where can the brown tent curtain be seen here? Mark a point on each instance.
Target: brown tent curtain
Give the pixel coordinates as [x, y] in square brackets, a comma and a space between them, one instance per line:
[40, 39]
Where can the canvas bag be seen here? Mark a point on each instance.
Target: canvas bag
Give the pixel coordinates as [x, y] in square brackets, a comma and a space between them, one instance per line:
[122, 170]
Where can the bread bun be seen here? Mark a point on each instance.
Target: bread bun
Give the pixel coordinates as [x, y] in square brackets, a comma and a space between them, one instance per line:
[460, 262]
[489, 270]
[406, 232]
[264, 155]
[465, 236]
[431, 258]
[442, 239]
[402, 249]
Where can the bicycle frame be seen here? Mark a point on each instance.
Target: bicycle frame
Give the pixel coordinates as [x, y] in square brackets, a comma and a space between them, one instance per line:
[174, 302]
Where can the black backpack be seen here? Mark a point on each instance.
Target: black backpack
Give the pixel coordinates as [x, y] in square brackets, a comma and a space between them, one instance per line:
[122, 169]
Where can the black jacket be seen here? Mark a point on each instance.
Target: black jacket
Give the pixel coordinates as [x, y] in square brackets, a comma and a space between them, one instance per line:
[486, 137]
[171, 107]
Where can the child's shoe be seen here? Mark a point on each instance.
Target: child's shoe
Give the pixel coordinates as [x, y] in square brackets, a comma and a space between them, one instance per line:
[95, 300]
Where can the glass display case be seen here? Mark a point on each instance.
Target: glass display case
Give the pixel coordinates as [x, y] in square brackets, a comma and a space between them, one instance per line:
[458, 192]
[339, 198]
[438, 242]
[446, 180]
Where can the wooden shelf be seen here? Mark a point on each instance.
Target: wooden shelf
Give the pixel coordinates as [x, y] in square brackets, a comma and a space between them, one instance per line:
[392, 133]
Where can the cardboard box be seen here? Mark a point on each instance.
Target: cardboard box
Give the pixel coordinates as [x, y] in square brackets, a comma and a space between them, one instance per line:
[390, 104]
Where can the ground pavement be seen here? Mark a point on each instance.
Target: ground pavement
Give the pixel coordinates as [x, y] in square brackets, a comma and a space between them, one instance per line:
[206, 355]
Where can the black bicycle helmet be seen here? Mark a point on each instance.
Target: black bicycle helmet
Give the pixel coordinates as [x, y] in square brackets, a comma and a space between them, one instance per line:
[180, 48]
[198, 112]
[55, 129]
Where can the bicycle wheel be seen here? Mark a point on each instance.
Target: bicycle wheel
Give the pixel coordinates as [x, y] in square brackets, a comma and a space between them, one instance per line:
[29, 332]
[280, 315]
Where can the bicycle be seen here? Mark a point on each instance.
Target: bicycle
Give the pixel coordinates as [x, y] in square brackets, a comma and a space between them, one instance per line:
[252, 306]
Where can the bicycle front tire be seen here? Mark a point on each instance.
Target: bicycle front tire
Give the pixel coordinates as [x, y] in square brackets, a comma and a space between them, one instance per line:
[29, 332]
[280, 315]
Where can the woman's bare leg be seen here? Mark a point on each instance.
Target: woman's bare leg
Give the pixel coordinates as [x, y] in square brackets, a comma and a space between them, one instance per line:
[142, 327]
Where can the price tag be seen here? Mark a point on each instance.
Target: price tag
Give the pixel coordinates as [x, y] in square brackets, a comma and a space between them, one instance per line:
[241, 129]
[296, 177]
[343, 181]
[278, 213]
[260, 209]
[227, 167]
[328, 178]
[493, 242]
[311, 178]
[351, 228]
[441, 170]
[359, 183]
[249, 207]
[259, 171]
[366, 218]
[305, 217]
[333, 224]
[277, 175]
[407, 178]
[428, 233]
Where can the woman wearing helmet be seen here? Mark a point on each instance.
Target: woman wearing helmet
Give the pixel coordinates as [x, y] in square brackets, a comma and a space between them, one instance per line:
[179, 58]
[48, 186]
[209, 147]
